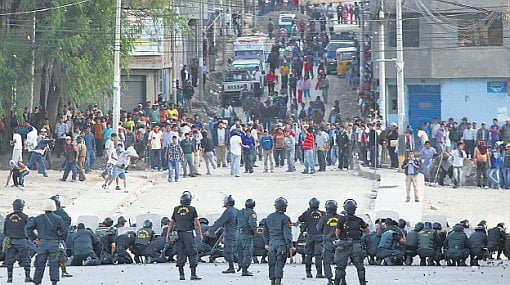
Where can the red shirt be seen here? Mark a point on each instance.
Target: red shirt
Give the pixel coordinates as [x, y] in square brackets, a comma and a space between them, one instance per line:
[271, 78]
[309, 142]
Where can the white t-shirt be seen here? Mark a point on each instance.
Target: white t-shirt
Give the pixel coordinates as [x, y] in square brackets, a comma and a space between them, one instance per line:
[156, 139]
[16, 138]
[458, 158]
[423, 136]
[110, 148]
[235, 145]
[221, 137]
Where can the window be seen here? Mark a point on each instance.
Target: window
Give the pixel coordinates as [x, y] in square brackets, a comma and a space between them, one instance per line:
[410, 31]
[480, 30]
[392, 104]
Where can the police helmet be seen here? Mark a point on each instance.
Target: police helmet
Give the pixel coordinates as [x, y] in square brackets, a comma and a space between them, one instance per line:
[350, 206]
[437, 226]
[18, 205]
[186, 198]
[419, 226]
[250, 203]
[314, 203]
[331, 206]
[121, 220]
[56, 198]
[108, 222]
[204, 221]
[402, 223]
[427, 226]
[229, 200]
[500, 225]
[165, 221]
[464, 223]
[147, 224]
[458, 227]
[281, 204]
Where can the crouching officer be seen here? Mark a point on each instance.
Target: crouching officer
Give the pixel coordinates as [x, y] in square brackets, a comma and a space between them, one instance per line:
[14, 230]
[327, 226]
[412, 243]
[144, 237]
[51, 232]
[278, 235]
[82, 244]
[478, 241]
[457, 246]
[228, 221]
[313, 247]
[246, 229]
[184, 220]
[349, 231]
[124, 242]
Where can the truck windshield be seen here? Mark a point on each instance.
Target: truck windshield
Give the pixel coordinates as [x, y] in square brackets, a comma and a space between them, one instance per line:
[236, 76]
[248, 67]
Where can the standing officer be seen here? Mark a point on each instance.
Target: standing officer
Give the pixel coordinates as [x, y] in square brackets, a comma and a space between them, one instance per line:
[327, 226]
[278, 235]
[184, 220]
[313, 248]
[228, 221]
[51, 232]
[349, 230]
[246, 229]
[14, 229]
[67, 221]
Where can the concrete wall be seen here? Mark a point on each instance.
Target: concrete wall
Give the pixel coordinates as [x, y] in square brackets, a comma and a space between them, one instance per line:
[470, 98]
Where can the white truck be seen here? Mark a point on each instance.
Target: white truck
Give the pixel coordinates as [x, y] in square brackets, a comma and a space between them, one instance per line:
[252, 46]
[233, 83]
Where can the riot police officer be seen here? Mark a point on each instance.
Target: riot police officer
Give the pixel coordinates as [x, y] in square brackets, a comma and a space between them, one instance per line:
[349, 231]
[313, 248]
[327, 226]
[228, 221]
[124, 242]
[51, 232]
[478, 241]
[412, 243]
[278, 235]
[82, 245]
[121, 222]
[438, 237]
[144, 237]
[246, 229]
[14, 229]
[184, 220]
[107, 234]
[67, 221]
[457, 246]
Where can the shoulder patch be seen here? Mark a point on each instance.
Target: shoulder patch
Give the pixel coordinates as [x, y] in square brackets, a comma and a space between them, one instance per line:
[254, 215]
[289, 224]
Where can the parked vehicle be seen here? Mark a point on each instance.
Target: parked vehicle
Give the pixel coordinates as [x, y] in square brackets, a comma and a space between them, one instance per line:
[233, 82]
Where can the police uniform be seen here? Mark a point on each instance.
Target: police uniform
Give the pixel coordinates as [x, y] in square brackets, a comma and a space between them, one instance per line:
[327, 226]
[184, 216]
[144, 237]
[228, 221]
[246, 229]
[479, 242]
[123, 242]
[457, 246]
[314, 238]
[82, 245]
[51, 231]
[349, 245]
[278, 235]
[388, 246]
[14, 228]
[107, 237]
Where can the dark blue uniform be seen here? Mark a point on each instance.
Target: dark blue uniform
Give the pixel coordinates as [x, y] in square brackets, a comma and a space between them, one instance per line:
[246, 229]
[82, 245]
[185, 246]
[351, 230]
[14, 228]
[123, 242]
[457, 245]
[314, 238]
[389, 246]
[327, 226]
[228, 221]
[51, 232]
[278, 235]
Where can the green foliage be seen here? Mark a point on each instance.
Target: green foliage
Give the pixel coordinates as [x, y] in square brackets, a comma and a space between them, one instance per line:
[75, 44]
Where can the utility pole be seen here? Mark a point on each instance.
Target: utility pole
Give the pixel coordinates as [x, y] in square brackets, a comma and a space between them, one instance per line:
[223, 32]
[33, 64]
[362, 50]
[116, 68]
[382, 65]
[400, 82]
[200, 47]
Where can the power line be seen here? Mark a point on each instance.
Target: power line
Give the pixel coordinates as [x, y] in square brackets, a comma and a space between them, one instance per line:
[45, 9]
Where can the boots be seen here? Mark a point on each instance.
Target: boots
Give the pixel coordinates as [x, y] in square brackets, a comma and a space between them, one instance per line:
[422, 261]
[28, 279]
[9, 274]
[181, 273]
[230, 268]
[408, 260]
[361, 278]
[194, 274]
[272, 282]
[64, 271]
[318, 266]
[246, 272]
[277, 281]
[308, 269]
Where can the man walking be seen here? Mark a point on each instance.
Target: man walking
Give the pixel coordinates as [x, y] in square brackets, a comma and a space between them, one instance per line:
[70, 160]
[267, 143]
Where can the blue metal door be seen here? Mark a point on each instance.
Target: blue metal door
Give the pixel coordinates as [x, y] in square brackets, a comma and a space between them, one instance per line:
[424, 104]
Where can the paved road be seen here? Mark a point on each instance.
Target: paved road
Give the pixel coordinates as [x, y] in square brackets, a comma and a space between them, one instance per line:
[294, 274]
